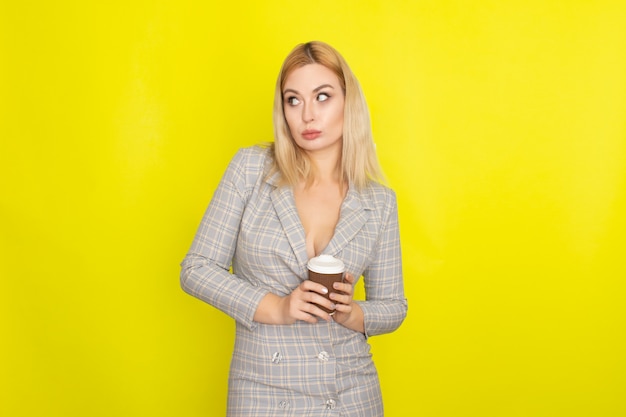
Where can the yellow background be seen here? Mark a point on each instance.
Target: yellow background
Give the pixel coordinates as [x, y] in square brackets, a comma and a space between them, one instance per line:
[500, 124]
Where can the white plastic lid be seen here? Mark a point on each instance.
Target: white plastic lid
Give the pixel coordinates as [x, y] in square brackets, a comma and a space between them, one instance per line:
[326, 264]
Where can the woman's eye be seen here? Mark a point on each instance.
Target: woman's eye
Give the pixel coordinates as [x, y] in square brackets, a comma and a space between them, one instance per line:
[292, 101]
[323, 97]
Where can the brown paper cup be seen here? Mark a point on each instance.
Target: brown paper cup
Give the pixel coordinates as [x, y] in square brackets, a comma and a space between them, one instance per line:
[326, 270]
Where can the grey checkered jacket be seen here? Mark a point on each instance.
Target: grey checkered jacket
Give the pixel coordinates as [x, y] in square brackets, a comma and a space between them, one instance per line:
[302, 369]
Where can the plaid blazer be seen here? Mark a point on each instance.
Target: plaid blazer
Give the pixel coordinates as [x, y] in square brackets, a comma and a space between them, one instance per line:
[302, 369]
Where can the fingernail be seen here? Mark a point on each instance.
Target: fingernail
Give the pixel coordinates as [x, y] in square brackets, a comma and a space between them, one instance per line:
[325, 290]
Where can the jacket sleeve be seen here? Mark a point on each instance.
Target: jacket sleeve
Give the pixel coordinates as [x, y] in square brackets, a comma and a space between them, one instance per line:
[385, 307]
[205, 271]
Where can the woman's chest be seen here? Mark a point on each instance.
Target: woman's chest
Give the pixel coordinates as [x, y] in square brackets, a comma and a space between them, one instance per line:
[319, 212]
[272, 242]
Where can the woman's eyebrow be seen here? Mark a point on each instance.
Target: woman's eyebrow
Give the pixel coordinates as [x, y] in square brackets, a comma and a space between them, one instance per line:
[291, 90]
[322, 86]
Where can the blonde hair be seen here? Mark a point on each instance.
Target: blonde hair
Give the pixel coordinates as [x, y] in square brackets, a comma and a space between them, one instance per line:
[359, 163]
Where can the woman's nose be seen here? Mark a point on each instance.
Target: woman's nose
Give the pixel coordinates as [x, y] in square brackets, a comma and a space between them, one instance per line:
[307, 113]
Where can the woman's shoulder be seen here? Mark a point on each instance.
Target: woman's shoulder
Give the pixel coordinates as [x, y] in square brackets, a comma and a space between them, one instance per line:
[379, 198]
[253, 155]
[249, 165]
[379, 193]
[251, 160]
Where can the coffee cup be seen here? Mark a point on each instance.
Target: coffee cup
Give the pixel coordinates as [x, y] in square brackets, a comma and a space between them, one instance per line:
[326, 270]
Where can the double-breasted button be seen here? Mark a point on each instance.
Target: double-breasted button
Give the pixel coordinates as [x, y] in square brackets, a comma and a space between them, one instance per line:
[283, 404]
[277, 357]
[331, 404]
[323, 356]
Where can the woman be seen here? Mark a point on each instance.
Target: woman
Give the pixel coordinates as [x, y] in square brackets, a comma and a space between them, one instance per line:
[314, 191]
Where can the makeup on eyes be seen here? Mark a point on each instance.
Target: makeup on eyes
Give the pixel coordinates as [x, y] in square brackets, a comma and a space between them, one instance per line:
[289, 99]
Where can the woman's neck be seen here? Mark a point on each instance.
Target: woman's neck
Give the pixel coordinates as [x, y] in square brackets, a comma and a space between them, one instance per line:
[326, 167]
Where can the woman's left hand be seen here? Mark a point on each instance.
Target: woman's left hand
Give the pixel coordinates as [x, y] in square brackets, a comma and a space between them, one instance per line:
[347, 312]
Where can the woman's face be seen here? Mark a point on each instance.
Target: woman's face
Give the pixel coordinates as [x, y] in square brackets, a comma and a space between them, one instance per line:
[313, 104]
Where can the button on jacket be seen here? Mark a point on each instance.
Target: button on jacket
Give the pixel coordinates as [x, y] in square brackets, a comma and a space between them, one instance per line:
[301, 369]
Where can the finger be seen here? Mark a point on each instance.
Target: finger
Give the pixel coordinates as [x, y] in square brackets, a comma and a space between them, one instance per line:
[316, 300]
[305, 310]
[314, 312]
[340, 299]
[344, 308]
[344, 288]
[322, 314]
[306, 317]
[308, 302]
[309, 285]
[349, 278]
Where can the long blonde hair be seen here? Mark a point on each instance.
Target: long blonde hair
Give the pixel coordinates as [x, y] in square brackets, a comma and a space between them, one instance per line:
[359, 163]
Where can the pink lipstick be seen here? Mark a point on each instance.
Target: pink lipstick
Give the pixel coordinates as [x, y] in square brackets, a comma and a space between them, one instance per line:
[311, 134]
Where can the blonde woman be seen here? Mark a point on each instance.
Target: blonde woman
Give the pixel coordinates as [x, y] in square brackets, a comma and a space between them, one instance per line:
[315, 190]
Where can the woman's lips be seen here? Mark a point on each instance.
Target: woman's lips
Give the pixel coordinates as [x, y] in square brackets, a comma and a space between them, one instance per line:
[310, 134]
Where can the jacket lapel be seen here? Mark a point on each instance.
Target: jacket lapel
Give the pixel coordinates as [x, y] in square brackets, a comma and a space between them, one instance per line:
[355, 211]
[285, 206]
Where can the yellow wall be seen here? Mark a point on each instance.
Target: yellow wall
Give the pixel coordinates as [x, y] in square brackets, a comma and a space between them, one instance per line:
[501, 125]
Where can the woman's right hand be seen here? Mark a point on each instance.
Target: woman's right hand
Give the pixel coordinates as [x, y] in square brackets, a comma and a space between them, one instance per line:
[299, 305]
